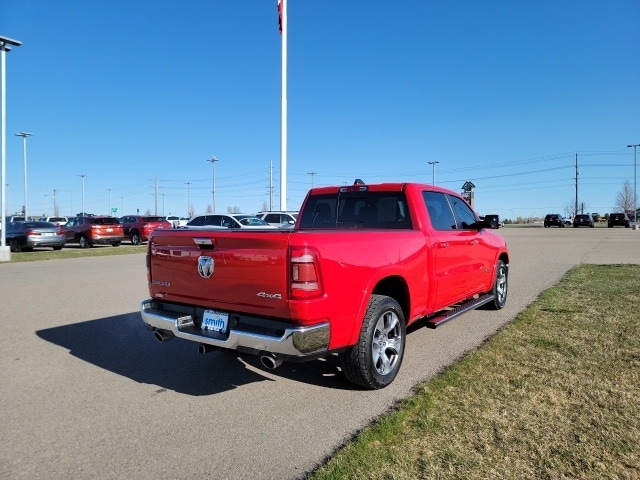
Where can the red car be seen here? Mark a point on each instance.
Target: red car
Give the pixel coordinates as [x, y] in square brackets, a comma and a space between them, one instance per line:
[88, 231]
[138, 228]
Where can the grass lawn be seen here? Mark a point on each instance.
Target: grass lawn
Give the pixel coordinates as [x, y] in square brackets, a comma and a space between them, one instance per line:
[553, 395]
[74, 251]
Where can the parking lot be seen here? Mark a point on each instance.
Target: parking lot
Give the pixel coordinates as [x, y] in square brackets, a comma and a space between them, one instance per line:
[88, 393]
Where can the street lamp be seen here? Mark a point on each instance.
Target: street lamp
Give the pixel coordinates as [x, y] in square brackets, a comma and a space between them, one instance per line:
[635, 208]
[312, 174]
[24, 136]
[188, 184]
[82, 175]
[433, 171]
[5, 46]
[213, 161]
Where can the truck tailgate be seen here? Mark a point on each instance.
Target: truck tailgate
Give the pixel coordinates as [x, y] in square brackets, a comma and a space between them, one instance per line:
[222, 269]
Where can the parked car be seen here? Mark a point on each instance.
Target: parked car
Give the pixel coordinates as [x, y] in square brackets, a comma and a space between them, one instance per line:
[583, 220]
[554, 220]
[88, 231]
[59, 221]
[176, 221]
[279, 219]
[231, 220]
[25, 236]
[620, 219]
[138, 228]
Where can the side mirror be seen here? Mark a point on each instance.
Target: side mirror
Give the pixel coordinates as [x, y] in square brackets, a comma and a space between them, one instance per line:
[492, 221]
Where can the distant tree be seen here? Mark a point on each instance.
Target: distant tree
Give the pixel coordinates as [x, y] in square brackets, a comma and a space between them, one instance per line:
[570, 210]
[148, 212]
[191, 211]
[624, 199]
[265, 206]
[209, 209]
[235, 209]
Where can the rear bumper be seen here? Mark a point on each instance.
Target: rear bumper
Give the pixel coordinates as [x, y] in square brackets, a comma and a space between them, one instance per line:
[106, 239]
[290, 342]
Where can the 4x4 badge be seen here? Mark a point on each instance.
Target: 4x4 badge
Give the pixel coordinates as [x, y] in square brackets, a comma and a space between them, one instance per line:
[205, 266]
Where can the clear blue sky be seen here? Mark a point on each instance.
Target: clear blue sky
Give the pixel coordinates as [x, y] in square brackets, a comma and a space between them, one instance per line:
[501, 93]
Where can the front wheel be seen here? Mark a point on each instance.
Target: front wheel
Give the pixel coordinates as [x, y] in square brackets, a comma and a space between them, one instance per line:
[135, 239]
[83, 242]
[375, 360]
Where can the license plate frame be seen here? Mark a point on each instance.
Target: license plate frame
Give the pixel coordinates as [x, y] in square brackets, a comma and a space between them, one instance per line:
[215, 321]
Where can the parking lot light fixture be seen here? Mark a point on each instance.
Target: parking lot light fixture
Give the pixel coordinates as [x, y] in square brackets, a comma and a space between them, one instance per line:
[24, 136]
[213, 161]
[5, 46]
[635, 207]
[433, 171]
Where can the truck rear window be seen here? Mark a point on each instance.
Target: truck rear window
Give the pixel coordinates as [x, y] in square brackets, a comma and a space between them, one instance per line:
[381, 210]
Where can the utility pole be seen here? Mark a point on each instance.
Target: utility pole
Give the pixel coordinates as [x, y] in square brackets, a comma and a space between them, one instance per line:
[213, 161]
[576, 209]
[188, 199]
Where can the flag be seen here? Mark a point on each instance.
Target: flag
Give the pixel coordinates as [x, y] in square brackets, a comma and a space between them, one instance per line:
[280, 15]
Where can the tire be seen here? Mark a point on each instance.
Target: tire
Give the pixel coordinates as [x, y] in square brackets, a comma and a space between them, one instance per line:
[14, 246]
[375, 360]
[57, 248]
[116, 244]
[500, 288]
[135, 239]
[83, 242]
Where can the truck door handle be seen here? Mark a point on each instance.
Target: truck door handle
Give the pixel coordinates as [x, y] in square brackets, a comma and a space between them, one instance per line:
[474, 242]
[443, 244]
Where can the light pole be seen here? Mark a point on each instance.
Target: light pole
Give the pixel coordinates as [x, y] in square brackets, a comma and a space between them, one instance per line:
[188, 199]
[109, 190]
[433, 171]
[312, 174]
[24, 136]
[82, 175]
[213, 161]
[635, 208]
[46, 204]
[5, 46]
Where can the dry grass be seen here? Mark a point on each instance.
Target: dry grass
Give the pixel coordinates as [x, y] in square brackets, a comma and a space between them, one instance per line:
[554, 395]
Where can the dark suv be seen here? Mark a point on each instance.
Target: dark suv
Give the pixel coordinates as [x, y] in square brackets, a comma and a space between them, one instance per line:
[553, 220]
[583, 220]
[137, 228]
[87, 231]
[619, 219]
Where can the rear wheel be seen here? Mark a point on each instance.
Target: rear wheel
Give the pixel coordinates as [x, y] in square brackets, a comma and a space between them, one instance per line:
[117, 244]
[500, 288]
[375, 360]
[135, 238]
[15, 246]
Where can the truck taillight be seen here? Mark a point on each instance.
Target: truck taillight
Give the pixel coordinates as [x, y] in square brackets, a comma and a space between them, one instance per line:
[305, 281]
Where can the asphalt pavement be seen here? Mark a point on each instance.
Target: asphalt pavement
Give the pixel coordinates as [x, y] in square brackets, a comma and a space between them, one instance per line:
[86, 392]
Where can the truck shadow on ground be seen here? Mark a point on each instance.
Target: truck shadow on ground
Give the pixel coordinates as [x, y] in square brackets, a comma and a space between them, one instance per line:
[122, 345]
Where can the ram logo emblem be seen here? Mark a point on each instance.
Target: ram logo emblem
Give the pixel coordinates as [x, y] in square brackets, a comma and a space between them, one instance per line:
[205, 266]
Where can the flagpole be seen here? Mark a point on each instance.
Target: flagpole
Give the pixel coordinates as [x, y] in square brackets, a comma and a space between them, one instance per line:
[283, 107]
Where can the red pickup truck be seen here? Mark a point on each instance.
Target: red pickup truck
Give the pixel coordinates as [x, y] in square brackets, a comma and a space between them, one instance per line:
[361, 264]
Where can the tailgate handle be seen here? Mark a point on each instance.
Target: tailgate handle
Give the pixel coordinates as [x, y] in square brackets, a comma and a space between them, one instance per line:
[204, 243]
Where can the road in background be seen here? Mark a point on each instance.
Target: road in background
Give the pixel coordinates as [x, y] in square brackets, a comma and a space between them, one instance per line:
[88, 393]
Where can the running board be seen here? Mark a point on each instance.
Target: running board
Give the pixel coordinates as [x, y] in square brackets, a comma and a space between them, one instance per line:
[458, 309]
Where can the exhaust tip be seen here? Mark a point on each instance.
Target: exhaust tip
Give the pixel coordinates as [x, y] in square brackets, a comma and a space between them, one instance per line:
[270, 361]
[163, 335]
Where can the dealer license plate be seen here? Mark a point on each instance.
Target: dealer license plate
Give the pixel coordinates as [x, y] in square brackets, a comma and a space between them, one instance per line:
[215, 321]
